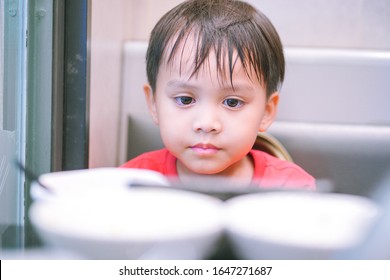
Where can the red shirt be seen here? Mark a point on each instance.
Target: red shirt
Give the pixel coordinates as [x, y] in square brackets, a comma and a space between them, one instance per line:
[269, 171]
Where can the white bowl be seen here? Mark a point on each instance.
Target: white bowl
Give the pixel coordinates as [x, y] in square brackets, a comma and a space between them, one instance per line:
[298, 225]
[83, 182]
[127, 223]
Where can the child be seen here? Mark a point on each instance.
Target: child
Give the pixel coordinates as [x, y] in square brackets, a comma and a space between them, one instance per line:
[214, 68]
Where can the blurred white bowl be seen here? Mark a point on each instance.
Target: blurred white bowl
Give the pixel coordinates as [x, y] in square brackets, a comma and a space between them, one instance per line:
[126, 223]
[83, 182]
[298, 225]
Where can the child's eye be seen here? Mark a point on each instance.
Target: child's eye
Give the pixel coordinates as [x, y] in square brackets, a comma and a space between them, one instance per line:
[233, 103]
[184, 100]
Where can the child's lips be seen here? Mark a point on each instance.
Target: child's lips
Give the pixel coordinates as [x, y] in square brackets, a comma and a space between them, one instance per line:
[205, 149]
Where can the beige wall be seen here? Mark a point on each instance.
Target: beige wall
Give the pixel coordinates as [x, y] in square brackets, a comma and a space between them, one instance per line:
[113, 22]
[362, 24]
[109, 29]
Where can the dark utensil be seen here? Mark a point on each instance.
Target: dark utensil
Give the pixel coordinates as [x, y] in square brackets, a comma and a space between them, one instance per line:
[224, 189]
[221, 188]
[30, 175]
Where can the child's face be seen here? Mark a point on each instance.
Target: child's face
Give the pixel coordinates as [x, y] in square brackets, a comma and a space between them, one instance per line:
[205, 124]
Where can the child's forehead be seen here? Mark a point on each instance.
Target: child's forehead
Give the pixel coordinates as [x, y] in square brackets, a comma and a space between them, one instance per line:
[232, 31]
[189, 56]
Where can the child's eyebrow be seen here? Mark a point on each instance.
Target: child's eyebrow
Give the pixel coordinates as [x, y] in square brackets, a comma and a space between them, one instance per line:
[240, 87]
[181, 84]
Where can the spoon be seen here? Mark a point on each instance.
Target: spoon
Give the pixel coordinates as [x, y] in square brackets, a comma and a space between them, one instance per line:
[224, 189]
[221, 188]
[30, 175]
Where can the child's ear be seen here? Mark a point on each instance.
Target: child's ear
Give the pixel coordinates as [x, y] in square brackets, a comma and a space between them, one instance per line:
[271, 109]
[151, 102]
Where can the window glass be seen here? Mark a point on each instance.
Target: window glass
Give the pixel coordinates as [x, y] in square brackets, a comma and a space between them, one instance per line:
[12, 109]
[1, 61]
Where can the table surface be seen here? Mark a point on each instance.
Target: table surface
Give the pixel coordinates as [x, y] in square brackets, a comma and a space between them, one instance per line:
[22, 242]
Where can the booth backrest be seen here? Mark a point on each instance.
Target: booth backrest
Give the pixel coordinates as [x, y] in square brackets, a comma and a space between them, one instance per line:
[333, 118]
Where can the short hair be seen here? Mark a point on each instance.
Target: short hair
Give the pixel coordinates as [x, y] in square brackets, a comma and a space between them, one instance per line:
[225, 26]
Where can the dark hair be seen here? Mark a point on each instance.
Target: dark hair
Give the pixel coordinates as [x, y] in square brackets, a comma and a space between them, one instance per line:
[225, 26]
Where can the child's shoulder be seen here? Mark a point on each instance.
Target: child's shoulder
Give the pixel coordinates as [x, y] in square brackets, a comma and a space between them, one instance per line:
[272, 171]
[159, 160]
[152, 156]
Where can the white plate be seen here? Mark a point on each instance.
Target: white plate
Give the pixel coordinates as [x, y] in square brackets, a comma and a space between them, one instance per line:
[141, 223]
[298, 225]
[83, 182]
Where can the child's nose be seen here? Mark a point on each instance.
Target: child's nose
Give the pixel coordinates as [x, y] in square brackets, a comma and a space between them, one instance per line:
[207, 121]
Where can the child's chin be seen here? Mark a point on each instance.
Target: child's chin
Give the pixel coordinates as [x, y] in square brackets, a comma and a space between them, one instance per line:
[204, 172]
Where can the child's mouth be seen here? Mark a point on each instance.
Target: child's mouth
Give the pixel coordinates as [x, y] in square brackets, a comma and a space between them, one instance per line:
[205, 149]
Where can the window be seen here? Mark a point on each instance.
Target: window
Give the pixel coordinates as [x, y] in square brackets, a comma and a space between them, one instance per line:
[12, 109]
[43, 107]
[1, 62]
